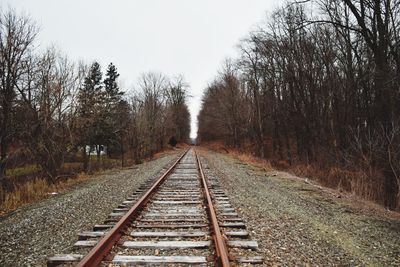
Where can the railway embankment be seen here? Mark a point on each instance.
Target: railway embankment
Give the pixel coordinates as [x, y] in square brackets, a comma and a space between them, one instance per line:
[298, 223]
[294, 222]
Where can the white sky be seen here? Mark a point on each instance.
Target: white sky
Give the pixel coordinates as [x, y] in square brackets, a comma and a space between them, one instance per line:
[185, 37]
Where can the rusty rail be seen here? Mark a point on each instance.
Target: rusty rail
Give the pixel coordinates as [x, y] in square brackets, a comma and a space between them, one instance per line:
[220, 244]
[98, 252]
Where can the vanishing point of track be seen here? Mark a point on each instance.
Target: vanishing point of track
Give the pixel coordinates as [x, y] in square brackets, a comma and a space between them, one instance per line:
[180, 218]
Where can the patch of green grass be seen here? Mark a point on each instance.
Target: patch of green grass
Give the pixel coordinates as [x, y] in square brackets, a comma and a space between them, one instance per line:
[104, 159]
[94, 157]
[24, 170]
[33, 168]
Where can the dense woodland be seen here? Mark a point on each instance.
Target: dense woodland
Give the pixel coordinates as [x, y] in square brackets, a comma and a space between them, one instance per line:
[54, 111]
[317, 85]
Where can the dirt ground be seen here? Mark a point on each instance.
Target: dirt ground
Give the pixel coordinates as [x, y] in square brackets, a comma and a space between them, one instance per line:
[297, 223]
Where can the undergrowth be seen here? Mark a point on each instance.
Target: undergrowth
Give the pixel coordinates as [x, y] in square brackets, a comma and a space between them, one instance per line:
[27, 169]
[355, 181]
[35, 190]
[38, 188]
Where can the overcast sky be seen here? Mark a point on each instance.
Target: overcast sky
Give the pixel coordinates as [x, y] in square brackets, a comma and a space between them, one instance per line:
[185, 37]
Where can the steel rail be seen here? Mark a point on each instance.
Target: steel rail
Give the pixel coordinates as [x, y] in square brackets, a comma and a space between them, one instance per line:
[220, 244]
[102, 249]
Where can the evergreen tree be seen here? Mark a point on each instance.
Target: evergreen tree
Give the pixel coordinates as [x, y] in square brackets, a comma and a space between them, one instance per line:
[90, 93]
[111, 86]
[90, 103]
[113, 102]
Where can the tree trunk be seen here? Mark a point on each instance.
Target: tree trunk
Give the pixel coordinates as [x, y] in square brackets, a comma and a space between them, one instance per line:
[287, 144]
[260, 129]
[85, 159]
[122, 152]
[383, 91]
[3, 157]
[4, 141]
[98, 152]
[3, 161]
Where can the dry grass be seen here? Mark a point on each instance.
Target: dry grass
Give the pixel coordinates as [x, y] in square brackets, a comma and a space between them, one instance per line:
[240, 155]
[251, 159]
[38, 188]
[367, 185]
[168, 150]
[182, 145]
[218, 146]
[356, 182]
[35, 190]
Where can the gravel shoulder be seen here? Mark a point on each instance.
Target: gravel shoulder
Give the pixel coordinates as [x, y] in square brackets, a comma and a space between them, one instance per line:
[32, 234]
[297, 223]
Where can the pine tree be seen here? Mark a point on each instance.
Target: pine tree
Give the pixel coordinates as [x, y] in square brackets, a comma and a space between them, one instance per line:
[111, 86]
[113, 100]
[90, 93]
[90, 103]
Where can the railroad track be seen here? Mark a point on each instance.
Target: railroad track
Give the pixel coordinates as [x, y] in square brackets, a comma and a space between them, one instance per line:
[180, 218]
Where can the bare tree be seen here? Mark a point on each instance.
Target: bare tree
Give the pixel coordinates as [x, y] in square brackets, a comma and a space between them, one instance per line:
[17, 34]
[310, 82]
[46, 98]
[225, 109]
[152, 86]
[178, 126]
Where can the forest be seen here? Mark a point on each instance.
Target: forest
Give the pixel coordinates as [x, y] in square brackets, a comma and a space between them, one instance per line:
[56, 115]
[316, 89]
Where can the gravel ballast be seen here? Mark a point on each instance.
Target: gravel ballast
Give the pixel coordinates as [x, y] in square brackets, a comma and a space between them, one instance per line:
[299, 224]
[32, 234]
[295, 223]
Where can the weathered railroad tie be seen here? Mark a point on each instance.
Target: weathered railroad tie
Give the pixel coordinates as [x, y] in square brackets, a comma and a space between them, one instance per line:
[181, 218]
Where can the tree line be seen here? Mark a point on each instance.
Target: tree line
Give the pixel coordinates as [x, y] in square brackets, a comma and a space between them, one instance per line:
[319, 84]
[53, 110]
